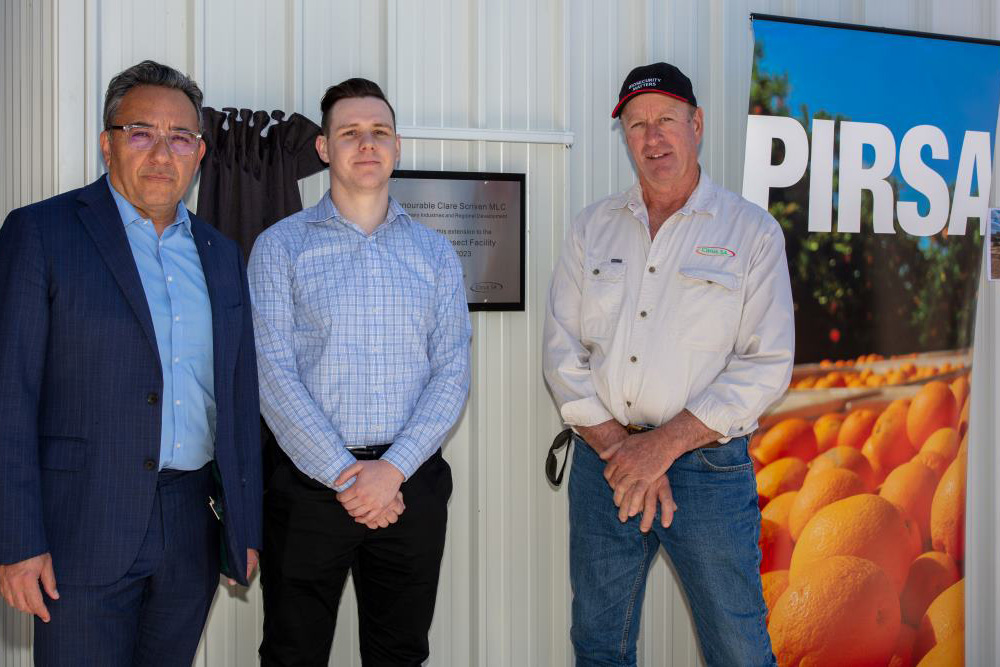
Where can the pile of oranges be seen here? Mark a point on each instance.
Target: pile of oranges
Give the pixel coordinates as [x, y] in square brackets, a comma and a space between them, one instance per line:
[863, 519]
[867, 378]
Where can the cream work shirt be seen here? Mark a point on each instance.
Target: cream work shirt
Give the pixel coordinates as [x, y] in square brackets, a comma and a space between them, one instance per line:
[699, 318]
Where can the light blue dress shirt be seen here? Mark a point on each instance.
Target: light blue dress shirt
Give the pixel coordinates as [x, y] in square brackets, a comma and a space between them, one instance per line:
[174, 283]
[361, 339]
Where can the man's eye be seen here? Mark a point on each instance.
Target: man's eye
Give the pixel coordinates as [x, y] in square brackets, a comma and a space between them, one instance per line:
[141, 133]
[182, 139]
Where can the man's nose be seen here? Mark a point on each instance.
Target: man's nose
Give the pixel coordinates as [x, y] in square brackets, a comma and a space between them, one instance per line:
[160, 150]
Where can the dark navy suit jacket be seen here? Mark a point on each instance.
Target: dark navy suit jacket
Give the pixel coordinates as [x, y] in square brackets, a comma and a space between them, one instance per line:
[80, 387]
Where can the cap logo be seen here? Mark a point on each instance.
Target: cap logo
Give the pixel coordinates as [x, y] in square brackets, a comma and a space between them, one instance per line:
[651, 82]
[714, 251]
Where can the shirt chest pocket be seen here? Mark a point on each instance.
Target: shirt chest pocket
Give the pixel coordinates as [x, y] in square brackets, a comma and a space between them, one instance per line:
[706, 315]
[603, 294]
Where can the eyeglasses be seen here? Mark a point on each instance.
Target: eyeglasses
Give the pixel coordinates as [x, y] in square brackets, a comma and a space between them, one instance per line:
[144, 137]
[552, 469]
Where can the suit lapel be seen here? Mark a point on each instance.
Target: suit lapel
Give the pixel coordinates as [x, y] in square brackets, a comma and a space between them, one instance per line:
[102, 221]
[210, 267]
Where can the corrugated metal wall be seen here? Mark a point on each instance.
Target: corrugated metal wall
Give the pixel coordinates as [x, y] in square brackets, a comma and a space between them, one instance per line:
[492, 64]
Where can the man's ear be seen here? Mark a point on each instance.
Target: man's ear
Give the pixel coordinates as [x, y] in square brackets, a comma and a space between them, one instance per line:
[321, 149]
[106, 147]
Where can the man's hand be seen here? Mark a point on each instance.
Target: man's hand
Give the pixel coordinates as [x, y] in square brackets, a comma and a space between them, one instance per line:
[252, 559]
[389, 515]
[376, 484]
[635, 464]
[658, 492]
[603, 435]
[19, 585]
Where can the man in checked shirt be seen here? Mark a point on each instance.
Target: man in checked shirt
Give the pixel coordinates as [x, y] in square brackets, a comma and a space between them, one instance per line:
[363, 336]
[668, 332]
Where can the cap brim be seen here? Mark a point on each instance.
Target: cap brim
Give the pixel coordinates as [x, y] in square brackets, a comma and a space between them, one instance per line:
[622, 101]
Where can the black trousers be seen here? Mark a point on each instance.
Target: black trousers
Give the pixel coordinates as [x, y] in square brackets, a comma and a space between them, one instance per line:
[310, 544]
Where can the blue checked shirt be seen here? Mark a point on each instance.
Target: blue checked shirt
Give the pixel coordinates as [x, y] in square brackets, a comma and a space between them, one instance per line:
[177, 296]
[361, 340]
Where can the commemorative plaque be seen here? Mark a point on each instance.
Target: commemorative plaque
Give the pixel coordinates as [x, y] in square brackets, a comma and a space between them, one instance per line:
[482, 214]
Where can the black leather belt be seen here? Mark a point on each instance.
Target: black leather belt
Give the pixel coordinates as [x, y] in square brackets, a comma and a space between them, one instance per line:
[369, 452]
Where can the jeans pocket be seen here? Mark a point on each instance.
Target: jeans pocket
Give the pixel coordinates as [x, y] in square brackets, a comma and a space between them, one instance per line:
[730, 457]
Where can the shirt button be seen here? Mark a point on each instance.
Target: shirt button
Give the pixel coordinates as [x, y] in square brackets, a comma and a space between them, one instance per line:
[633, 358]
[177, 360]
[596, 271]
[149, 464]
[652, 269]
[628, 403]
[177, 318]
[152, 398]
[170, 279]
[642, 313]
[177, 402]
[177, 445]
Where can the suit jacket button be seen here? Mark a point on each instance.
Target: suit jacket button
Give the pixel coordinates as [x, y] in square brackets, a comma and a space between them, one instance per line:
[152, 398]
[150, 464]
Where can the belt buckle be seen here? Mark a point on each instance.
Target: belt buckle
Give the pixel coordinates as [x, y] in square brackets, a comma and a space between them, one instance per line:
[638, 428]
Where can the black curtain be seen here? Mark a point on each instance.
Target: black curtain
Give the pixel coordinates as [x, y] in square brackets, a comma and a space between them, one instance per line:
[249, 180]
[253, 162]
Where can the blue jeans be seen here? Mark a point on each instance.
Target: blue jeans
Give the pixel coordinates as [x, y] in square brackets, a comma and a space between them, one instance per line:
[712, 543]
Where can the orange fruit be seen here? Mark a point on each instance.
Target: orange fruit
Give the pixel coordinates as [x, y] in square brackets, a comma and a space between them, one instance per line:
[783, 475]
[960, 387]
[885, 453]
[963, 417]
[930, 574]
[856, 428]
[875, 380]
[932, 408]
[847, 458]
[825, 429]
[777, 510]
[963, 449]
[944, 618]
[823, 488]
[902, 652]
[789, 437]
[910, 487]
[864, 525]
[948, 653]
[944, 441]
[775, 546]
[948, 511]
[773, 584]
[843, 611]
[932, 460]
[806, 383]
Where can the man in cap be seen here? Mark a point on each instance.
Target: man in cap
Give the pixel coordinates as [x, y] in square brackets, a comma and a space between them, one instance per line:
[668, 332]
[129, 397]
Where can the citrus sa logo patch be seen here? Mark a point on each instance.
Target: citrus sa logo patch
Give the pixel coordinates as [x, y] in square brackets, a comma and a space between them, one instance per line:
[714, 251]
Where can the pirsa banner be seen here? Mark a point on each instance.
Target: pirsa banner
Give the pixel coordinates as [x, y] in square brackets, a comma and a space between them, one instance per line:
[873, 150]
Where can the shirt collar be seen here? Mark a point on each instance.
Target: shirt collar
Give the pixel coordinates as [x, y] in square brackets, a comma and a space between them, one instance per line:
[326, 210]
[702, 200]
[130, 215]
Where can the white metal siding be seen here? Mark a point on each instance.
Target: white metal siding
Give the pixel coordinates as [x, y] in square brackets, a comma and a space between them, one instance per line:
[494, 64]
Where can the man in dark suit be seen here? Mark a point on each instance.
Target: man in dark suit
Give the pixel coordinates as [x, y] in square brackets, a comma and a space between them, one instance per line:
[128, 397]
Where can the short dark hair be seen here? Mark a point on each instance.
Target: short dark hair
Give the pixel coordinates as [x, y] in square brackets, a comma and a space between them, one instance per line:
[356, 87]
[149, 73]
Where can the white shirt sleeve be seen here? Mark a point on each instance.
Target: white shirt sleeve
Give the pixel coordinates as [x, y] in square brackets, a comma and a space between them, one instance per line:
[760, 366]
[565, 361]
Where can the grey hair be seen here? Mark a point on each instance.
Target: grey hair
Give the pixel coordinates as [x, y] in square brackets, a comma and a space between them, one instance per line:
[149, 73]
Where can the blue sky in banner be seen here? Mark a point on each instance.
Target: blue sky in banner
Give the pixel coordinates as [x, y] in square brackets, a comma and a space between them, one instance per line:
[898, 80]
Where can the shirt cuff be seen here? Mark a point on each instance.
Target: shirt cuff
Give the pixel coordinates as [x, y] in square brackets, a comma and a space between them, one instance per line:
[404, 455]
[585, 412]
[718, 417]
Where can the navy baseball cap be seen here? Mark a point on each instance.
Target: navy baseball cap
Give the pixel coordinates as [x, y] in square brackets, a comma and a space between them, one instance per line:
[661, 78]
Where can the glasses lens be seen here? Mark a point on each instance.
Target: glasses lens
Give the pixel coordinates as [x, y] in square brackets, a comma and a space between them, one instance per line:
[141, 138]
[182, 143]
